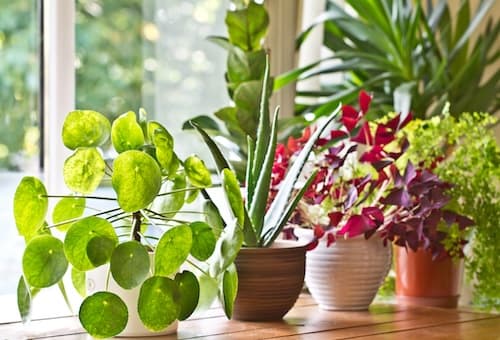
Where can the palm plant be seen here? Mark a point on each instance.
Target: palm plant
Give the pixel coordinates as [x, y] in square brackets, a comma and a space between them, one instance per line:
[408, 56]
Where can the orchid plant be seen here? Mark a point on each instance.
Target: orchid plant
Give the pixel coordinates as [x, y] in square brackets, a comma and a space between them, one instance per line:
[359, 190]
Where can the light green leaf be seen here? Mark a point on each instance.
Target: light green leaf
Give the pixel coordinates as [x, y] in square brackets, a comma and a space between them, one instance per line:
[85, 128]
[213, 217]
[233, 194]
[159, 303]
[247, 27]
[44, 263]
[143, 123]
[229, 289]
[203, 240]
[30, 206]
[80, 234]
[164, 143]
[136, 180]
[24, 297]
[84, 170]
[192, 195]
[169, 205]
[172, 250]
[99, 249]
[126, 133]
[78, 279]
[130, 264]
[66, 209]
[103, 315]
[208, 292]
[189, 291]
[227, 248]
[197, 172]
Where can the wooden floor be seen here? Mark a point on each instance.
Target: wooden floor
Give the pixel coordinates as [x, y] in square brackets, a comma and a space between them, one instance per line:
[305, 321]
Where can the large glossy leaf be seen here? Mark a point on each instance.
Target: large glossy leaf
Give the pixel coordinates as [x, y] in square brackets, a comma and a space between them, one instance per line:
[159, 303]
[85, 128]
[130, 264]
[84, 170]
[197, 172]
[248, 26]
[30, 206]
[203, 240]
[172, 250]
[66, 209]
[189, 291]
[126, 133]
[229, 289]
[136, 180]
[44, 263]
[103, 315]
[80, 234]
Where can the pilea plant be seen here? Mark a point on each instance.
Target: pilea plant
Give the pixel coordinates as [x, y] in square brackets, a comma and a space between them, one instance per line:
[144, 237]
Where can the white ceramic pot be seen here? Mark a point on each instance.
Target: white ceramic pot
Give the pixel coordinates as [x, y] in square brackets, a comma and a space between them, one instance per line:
[348, 274]
[96, 281]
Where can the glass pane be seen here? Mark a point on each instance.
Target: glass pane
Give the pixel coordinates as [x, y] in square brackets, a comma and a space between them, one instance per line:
[19, 124]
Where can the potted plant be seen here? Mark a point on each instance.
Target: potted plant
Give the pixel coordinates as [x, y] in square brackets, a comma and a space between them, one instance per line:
[359, 202]
[268, 285]
[149, 250]
[464, 152]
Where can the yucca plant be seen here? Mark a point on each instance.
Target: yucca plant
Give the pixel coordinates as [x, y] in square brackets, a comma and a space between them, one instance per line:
[409, 57]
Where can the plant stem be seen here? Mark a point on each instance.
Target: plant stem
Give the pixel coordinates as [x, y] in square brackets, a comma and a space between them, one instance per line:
[197, 267]
[136, 226]
[81, 218]
[72, 196]
[177, 191]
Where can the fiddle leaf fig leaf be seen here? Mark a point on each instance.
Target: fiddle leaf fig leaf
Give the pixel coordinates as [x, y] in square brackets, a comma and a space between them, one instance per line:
[80, 234]
[85, 128]
[103, 315]
[68, 208]
[170, 204]
[78, 278]
[159, 303]
[229, 289]
[233, 194]
[203, 240]
[247, 27]
[30, 206]
[172, 250]
[44, 263]
[126, 133]
[24, 297]
[136, 180]
[84, 170]
[189, 291]
[197, 172]
[99, 249]
[130, 264]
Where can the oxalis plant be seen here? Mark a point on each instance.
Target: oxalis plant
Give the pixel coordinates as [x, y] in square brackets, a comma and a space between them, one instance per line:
[261, 221]
[144, 238]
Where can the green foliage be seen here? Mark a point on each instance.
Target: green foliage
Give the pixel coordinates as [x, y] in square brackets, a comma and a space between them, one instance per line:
[472, 164]
[111, 318]
[408, 57]
[30, 206]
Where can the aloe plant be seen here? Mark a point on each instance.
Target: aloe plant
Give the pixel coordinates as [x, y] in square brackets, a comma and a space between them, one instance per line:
[407, 56]
[150, 186]
[261, 224]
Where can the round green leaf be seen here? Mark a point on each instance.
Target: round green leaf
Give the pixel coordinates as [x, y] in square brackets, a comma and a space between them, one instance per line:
[197, 172]
[103, 315]
[30, 206]
[84, 170]
[66, 209]
[25, 296]
[164, 143]
[44, 263]
[130, 264]
[172, 250]
[85, 128]
[158, 304]
[78, 237]
[229, 289]
[126, 133]
[203, 240]
[213, 217]
[192, 195]
[136, 180]
[78, 279]
[189, 290]
[208, 292]
[168, 205]
[233, 194]
[99, 249]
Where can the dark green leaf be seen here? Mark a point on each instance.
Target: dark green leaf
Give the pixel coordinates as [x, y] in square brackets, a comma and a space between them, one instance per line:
[103, 315]
[229, 289]
[203, 240]
[99, 249]
[159, 303]
[247, 27]
[189, 291]
[130, 264]
[203, 121]
[24, 298]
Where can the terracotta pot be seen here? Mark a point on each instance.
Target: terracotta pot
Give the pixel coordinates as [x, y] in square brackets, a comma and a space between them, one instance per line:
[269, 280]
[348, 274]
[422, 281]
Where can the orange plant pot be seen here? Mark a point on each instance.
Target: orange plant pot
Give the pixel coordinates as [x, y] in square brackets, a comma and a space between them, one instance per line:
[422, 281]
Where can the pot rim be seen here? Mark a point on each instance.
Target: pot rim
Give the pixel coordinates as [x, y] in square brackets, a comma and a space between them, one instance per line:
[278, 245]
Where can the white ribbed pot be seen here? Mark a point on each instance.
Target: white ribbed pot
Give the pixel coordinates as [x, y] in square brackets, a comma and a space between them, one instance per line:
[348, 274]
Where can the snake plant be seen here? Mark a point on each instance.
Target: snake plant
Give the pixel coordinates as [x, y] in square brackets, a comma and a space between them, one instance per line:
[261, 223]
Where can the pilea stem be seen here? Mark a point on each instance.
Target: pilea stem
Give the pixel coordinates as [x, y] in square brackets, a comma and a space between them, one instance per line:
[72, 196]
[136, 226]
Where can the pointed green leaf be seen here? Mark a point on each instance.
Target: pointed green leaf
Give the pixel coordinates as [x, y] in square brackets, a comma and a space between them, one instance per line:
[126, 133]
[103, 315]
[189, 291]
[130, 264]
[197, 172]
[68, 208]
[205, 122]
[79, 281]
[233, 194]
[80, 234]
[62, 289]
[85, 128]
[172, 250]
[44, 263]
[30, 206]
[203, 240]
[159, 303]
[136, 180]
[229, 290]
[220, 160]
[247, 27]
[84, 170]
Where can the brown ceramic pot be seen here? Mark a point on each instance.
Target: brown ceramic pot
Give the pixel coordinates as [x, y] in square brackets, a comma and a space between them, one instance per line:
[422, 281]
[269, 280]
